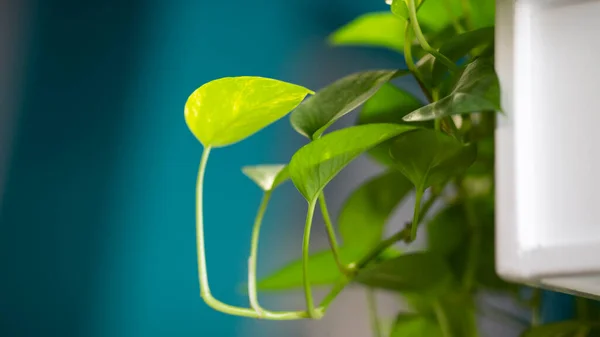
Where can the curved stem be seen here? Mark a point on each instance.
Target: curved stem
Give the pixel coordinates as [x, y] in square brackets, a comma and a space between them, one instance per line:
[442, 319]
[375, 324]
[202, 270]
[474, 243]
[416, 215]
[252, 293]
[410, 63]
[310, 306]
[412, 12]
[333, 243]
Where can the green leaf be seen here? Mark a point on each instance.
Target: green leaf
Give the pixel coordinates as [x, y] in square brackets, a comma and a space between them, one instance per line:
[458, 307]
[379, 29]
[428, 157]
[561, 329]
[322, 270]
[408, 325]
[447, 231]
[389, 105]
[459, 46]
[319, 112]
[366, 211]
[315, 164]
[400, 9]
[230, 109]
[421, 273]
[476, 90]
[267, 177]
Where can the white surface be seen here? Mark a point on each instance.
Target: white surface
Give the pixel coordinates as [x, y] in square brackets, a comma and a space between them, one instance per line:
[548, 145]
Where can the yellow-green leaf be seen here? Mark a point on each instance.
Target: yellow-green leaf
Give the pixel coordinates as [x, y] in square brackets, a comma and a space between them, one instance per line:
[227, 110]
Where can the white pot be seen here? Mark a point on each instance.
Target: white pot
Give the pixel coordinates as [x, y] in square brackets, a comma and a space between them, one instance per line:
[548, 143]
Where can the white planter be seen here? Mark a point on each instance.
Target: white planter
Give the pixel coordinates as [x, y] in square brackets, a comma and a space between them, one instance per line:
[548, 144]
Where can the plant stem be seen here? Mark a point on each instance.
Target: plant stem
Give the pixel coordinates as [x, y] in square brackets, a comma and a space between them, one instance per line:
[442, 319]
[333, 243]
[310, 307]
[363, 262]
[474, 244]
[468, 13]
[202, 270]
[410, 64]
[374, 317]
[412, 12]
[252, 293]
[416, 214]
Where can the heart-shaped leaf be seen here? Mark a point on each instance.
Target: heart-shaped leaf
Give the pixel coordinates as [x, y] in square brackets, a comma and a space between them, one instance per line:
[389, 105]
[320, 111]
[459, 46]
[421, 273]
[267, 177]
[428, 157]
[476, 90]
[408, 325]
[561, 329]
[366, 211]
[315, 164]
[379, 29]
[230, 109]
[323, 270]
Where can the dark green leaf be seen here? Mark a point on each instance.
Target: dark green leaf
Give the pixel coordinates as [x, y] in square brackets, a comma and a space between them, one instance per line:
[422, 273]
[317, 113]
[267, 177]
[459, 46]
[322, 266]
[379, 29]
[389, 105]
[408, 325]
[458, 309]
[315, 164]
[366, 211]
[476, 90]
[561, 329]
[230, 109]
[447, 231]
[428, 157]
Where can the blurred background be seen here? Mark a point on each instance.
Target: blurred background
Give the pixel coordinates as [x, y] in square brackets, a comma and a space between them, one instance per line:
[97, 167]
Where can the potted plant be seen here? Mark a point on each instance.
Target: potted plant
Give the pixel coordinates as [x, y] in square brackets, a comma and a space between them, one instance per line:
[441, 149]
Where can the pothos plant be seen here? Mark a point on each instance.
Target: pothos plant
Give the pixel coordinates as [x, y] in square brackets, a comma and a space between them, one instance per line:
[440, 149]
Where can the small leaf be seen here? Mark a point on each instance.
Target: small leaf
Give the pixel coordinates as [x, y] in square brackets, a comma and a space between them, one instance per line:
[400, 9]
[428, 157]
[366, 211]
[315, 164]
[561, 329]
[421, 273]
[322, 266]
[267, 177]
[447, 231]
[225, 111]
[389, 105]
[379, 29]
[459, 46]
[319, 112]
[476, 90]
[408, 325]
